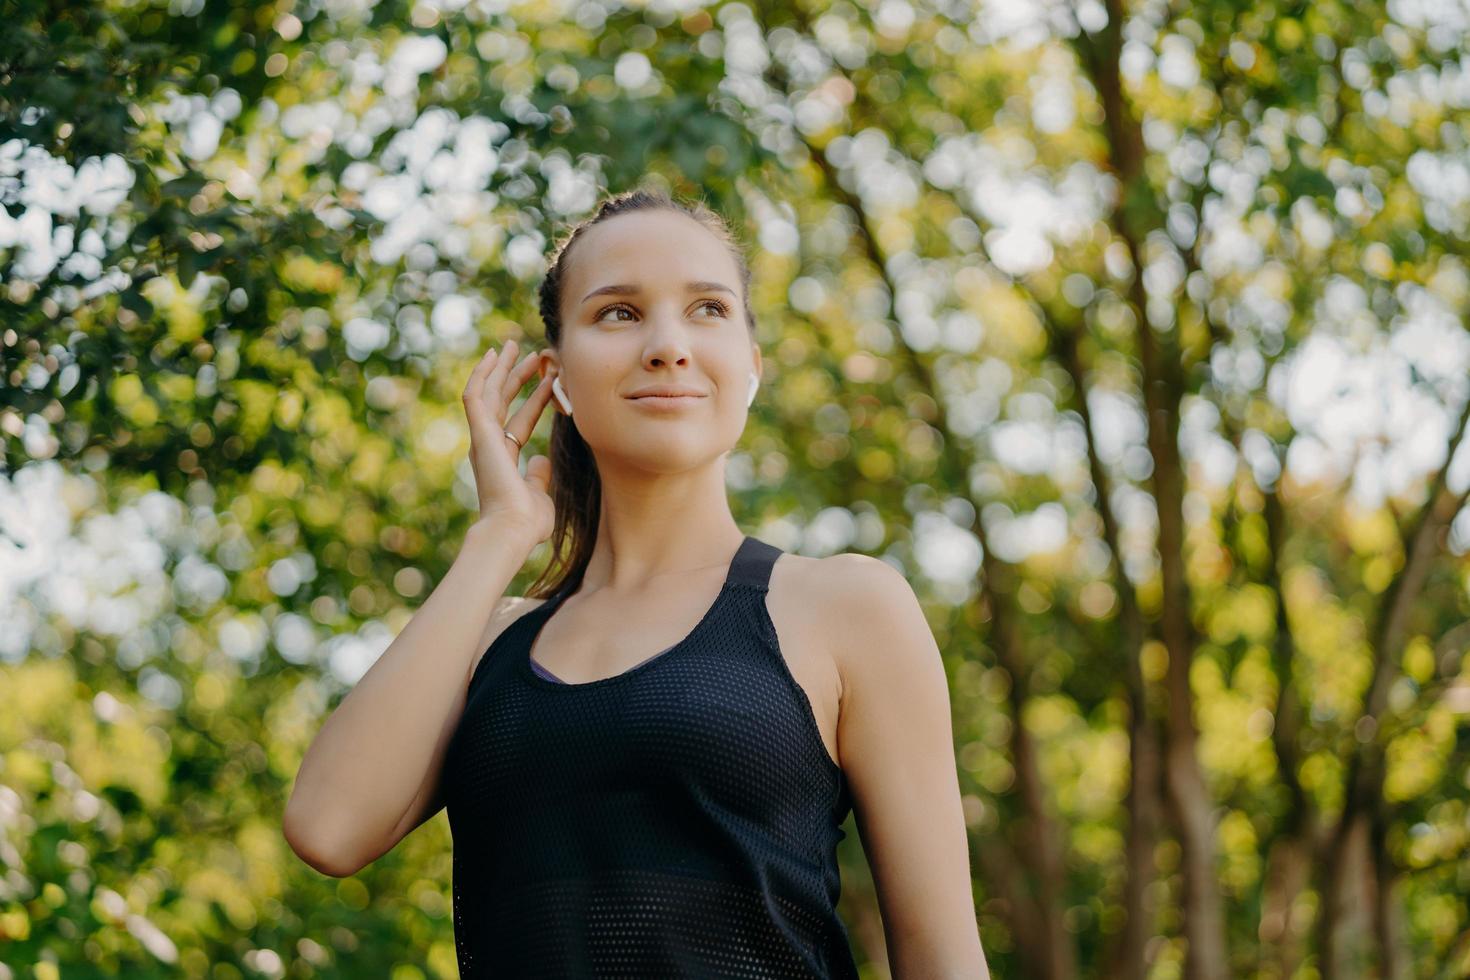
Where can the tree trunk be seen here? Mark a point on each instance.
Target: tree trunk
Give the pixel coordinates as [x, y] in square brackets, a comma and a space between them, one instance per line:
[1189, 803]
[1343, 921]
[1283, 922]
[1363, 798]
[1387, 926]
[1283, 928]
[1129, 959]
[1040, 839]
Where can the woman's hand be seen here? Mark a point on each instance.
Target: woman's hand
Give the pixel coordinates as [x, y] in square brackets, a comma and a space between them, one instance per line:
[506, 496]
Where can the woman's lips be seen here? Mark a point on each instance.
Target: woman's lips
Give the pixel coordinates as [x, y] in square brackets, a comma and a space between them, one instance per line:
[666, 401]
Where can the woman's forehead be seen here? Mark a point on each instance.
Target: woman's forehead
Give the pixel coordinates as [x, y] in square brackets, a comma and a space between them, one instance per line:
[660, 246]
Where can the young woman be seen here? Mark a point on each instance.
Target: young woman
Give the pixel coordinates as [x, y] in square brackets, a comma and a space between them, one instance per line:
[647, 760]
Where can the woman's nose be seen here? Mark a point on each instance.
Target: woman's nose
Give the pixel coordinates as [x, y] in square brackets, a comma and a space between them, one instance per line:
[667, 341]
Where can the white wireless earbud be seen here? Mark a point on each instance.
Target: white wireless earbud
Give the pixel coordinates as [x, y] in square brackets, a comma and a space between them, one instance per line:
[755, 383]
[561, 395]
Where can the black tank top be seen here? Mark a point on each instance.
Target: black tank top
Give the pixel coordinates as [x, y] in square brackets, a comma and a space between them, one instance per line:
[679, 819]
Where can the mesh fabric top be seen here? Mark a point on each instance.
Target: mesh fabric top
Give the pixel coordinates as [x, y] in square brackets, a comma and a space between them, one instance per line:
[679, 819]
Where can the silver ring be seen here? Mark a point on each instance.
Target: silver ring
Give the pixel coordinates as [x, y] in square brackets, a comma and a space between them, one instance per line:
[512, 438]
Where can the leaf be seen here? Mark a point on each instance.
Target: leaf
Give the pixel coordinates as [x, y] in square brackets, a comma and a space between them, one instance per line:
[137, 302]
[183, 187]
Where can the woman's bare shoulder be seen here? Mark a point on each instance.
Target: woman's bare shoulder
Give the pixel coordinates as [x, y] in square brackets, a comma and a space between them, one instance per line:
[832, 585]
[834, 591]
[810, 596]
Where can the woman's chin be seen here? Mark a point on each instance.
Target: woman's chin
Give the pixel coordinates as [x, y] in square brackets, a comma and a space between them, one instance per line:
[670, 453]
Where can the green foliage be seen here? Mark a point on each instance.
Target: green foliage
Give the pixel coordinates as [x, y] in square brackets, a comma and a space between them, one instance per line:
[255, 332]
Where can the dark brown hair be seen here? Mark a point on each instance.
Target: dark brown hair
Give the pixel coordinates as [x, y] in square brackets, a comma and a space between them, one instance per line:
[576, 488]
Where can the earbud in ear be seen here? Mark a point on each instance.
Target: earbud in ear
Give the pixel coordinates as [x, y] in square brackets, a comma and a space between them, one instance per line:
[755, 383]
[561, 396]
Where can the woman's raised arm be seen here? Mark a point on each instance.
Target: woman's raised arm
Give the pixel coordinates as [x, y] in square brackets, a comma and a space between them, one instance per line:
[380, 752]
[385, 743]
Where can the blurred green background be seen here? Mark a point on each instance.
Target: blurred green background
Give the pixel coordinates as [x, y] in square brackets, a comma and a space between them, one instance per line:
[1133, 333]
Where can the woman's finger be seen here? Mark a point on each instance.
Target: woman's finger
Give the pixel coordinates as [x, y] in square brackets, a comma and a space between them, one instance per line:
[524, 420]
[495, 380]
[518, 378]
[512, 380]
[473, 398]
[477, 375]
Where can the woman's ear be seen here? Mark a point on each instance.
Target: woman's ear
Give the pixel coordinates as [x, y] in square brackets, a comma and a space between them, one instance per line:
[558, 393]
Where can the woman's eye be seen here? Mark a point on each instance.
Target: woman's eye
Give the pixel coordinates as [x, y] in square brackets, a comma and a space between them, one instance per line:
[720, 309]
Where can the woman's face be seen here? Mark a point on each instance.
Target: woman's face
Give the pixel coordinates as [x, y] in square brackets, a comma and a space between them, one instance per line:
[651, 298]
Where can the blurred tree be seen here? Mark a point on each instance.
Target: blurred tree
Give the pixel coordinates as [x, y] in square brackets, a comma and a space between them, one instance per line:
[1134, 333]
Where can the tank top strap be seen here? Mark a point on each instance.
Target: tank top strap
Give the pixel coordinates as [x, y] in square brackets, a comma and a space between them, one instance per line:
[750, 566]
[753, 562]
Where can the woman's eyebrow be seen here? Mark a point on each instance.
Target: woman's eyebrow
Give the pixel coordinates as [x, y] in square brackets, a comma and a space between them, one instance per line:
[625, 289]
